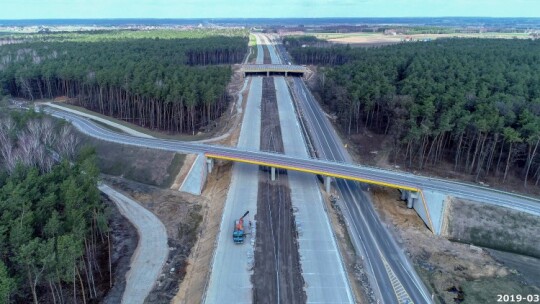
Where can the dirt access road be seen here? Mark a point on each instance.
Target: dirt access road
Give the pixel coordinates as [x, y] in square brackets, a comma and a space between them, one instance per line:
[152, 249]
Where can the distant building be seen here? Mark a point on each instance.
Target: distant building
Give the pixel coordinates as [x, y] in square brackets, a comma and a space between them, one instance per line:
[43, 30]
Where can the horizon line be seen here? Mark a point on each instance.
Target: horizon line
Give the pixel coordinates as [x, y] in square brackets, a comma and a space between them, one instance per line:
[269, 18]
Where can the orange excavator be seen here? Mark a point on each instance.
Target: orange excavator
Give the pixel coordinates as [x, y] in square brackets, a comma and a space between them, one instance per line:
[238, 233]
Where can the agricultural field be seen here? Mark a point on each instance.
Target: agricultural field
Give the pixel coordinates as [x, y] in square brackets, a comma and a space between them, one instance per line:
[377, 39]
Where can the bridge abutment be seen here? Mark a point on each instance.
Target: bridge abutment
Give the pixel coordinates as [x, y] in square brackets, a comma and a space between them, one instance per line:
[196, 177]
[410, 197]
[429, 205]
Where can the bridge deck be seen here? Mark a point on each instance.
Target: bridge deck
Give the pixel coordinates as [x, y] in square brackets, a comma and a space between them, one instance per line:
[316, 171]
[271, 69]
[331, 173]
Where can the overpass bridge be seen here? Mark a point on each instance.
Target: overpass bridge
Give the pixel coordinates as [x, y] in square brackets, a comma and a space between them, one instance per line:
[410, 191]
[425, 194]
[273, 69]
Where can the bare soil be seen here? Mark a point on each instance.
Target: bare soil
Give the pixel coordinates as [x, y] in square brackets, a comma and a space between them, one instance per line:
[212, 200]
[266, 58]
[454, 272]
[277, 276]
[181, 215]
[236, 118]
[270, 128]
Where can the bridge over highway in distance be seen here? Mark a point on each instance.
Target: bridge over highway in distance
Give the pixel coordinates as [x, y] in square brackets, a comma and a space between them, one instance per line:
[273, 70]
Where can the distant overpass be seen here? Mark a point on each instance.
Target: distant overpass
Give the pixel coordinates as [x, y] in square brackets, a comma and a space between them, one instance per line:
[273, 69]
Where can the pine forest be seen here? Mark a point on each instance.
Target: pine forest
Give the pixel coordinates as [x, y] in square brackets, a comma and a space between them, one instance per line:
[168, 80]
[471, 103]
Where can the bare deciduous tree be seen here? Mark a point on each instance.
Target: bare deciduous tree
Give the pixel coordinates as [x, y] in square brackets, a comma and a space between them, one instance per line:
[67, 142]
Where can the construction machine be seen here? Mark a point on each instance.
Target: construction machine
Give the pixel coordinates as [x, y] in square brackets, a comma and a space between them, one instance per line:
[238, 232]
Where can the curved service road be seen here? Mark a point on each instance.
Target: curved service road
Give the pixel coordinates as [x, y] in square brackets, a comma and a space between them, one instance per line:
[152, 248]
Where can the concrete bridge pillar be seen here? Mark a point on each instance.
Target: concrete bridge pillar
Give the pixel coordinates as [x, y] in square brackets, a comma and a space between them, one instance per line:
[286, 74]
[209, 164]
[267, 73]
[327, 183]
[273, 173]
[404, 195]
[410, 197]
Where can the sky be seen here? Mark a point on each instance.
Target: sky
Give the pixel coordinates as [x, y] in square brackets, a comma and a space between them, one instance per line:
[82, 9]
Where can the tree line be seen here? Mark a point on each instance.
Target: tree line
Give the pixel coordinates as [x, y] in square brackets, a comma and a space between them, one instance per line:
[311, 50]
[53, 225]
[166, 82]
[474, 103]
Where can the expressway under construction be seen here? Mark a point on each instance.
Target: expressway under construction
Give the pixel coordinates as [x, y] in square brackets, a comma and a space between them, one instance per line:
[389, 269]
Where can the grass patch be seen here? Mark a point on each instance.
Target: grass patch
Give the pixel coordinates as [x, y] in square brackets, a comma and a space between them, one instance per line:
[426, 277]
[486, 290]
[252, 40]
[252, 48]
[494, 227]
[144, 165]
[253, 55]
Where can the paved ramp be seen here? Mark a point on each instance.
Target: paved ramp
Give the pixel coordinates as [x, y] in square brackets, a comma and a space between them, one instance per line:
[152, 249]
